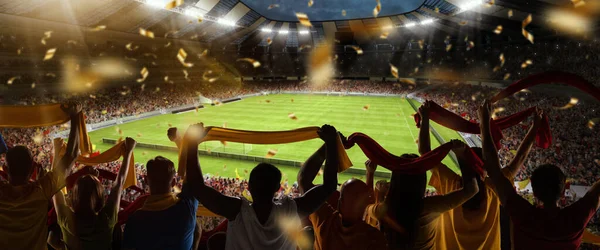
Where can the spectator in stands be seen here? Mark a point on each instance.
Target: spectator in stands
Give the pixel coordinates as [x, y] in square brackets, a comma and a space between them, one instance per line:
[256, 225]
[89, 222]
[546, 227]
[408, 219]
[24, 204]
[339, 224]
[475, 224]
[166, 221]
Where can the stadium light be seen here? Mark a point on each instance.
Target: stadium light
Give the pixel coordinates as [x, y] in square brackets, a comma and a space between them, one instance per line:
[303, 32]
[409, 25]
[469, 4]
[156, 3]
[226, 22]
[266, 30]
[283, 32]
[426, 22]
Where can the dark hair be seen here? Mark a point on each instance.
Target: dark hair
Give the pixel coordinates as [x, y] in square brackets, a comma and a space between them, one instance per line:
[160, 171]
[264, 180]
[548, 183]
[475, 202]
[87, 196]
[404, 201]
[19, 162]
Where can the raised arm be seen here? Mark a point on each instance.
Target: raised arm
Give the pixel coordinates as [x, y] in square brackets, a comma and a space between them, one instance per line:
[512, 169]
[502, 185]
[424, 137]
[371, 168]
[115, 193]
[310, 168]
[443, 203]
[312, 199]
[174, 137]
[212, 199]
[594, 193]
[65, 163]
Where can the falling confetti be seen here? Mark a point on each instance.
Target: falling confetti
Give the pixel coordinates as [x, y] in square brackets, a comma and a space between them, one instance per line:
[506, 76]
[12, 79]
[448, 47]
[269, 41]
[502, 60]
[408, 81]
[384, 35]
[366, 107]
[377, 9]
[33, 85]
[343, 12]
[526, 33]
[185, 75]
[98, 28]
[420, 42]
[437, 10]
[303, 18]
[591, 123]
[146, 33]
[207, 78]
[271, 153]
[498, 30]
[578, 3]
[130, 47]
[204, 53]
[310, 3]
[394, 70]
[292, 116]
[571, 103]
[526, 63]
[254, 63]
[38, 138]
[306, 46]
[173, 4]
[181, 56]
[144, 72]
[49, 54]
[358, 50]
[510, 13]
[462, 23]
[139, 135]
[272, 6]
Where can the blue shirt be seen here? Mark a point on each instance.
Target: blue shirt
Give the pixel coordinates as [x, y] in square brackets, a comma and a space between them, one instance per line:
[172, 228]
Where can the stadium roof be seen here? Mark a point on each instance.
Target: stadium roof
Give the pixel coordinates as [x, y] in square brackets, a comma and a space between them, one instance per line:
[236, 22]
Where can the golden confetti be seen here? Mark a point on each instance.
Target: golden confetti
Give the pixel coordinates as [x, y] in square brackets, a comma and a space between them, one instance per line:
[448, 47]
[49, 54]
[420, 42]
[204, 53]
[343, 12]
[501, 57]
[152, 55]
[366, 107]
[495, 112]
[99, 28]
[306, 46]
[591, 123]
[130, 47]
[185, 75]
[358, 50]
[146, 33]
[526, 34]
[269, 41]
[303, 18]
[292, 116]
[506, 76]
[394, 70]
[377, 9]
[72, 42]
[498, 30]
[490, 3]
[571, 103]
[408, 81]
[38, 138]
[384, 35]
[12, 79]
[50, 74]
[209, 79]
[462, 23]
[173, 4]
[272, 6]
[144, 72]
[254, 63]
[139, 135]
[18, 51]
[526, 63]
[33, 85]
[310, 3]
[166, 78]
[181, 56]
[271, 153]
[437, 10]
[92, 96]
[578, 3]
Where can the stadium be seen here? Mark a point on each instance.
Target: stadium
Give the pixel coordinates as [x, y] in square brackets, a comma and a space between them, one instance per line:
[423, 96]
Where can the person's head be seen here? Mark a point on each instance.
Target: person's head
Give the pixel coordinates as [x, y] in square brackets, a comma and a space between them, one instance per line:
[87, 195]
[355, 196]
[160, 175]
[475, 202]
[264, 181]
[381, 190]
[19, 163]
[548, 184]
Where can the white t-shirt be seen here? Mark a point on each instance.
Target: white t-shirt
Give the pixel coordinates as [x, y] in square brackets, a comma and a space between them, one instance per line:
[246, 232]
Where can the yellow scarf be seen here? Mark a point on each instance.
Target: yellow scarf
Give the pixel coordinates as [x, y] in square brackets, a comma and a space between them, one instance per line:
[263, 137]
[160, 202]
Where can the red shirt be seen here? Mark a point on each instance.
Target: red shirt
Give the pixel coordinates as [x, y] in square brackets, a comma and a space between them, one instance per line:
[550, 228]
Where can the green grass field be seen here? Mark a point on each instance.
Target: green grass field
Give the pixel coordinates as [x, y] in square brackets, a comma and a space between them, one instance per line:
[387, 120]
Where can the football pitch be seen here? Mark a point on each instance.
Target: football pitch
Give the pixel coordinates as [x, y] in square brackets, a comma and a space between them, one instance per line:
[388, 120]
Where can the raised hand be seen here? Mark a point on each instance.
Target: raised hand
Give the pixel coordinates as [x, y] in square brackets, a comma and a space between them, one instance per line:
[195, 133]
[327, 133]
[458, 146]
[172, 134]
[71, 108]
[371, 166]
[485, 110]
[129, 144]
[424, 109]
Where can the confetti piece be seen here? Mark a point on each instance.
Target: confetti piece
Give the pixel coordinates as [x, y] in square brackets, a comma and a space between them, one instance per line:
[302, 47]
[358, 50]
[526, 63]
[408, 81]
[12, 79]
[498, 30]
[268, 101]
[33, 85]
[310, 3]
[343, 12]
[130, 47]
[18, 51]
[185, 75]
[303, 18]
[166, 78]
[437, 10]
[204, 53]
[254, 63]
[271, 153]
[506, 76]
[501, 57]
[207, 78]
[571, 103]
[139, 135]
[152, 55]
[462, 23]
[578, 3]
[490, 3]
[448, 47]
[494, 112]
[98, 28]
[384, 35]
[38, 138]
[92, 96]
[366, 107]
[173, 4]
[269, 41]
[181, 56]
[272, 6]
[526, 33]
[49, 54]
[146, 33]
[394, 70]
[72, 42]
[510, 13]
[292, 116]
[591, 123]
[420, 42]
[377, 9]
[144, 72]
